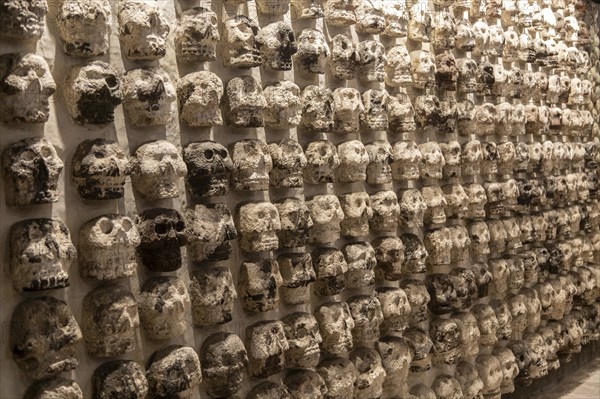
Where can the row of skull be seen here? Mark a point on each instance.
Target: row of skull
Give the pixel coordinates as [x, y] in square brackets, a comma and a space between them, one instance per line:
[301, 340]
[32, 168]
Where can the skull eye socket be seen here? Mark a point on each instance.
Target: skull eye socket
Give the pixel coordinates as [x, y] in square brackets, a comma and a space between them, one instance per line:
[160, 228]
[112, 82]
[99, 154]
[179, 226]
[106, 226]
[27, 155]
[126, 225]
[208, 154]
[46, 152]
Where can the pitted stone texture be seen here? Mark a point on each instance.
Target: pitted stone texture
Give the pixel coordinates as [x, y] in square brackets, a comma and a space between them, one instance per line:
[447, 387]
[224, 361]
[335, 324]
[92, 91]
[297, 274]
[367, 315]
[199, 97]
[385, 212]
[258, 224]
[357, 213]
[313, 52]
[119, 378]
[173, 372]
[418, 299]
[244, 102]
[389, 252]
[99, 169]
[284, 105]
[258, 284]
[340, 12]
[239, 43]
[197, 35]
[156, 170]
[413, 208]
[277, 45]
[252, 164]
[423, 69]
[330, 268]
[162, 306]
[143, 30]
[353, 162]
[347, 110]
[209, 168]
[398, 67]
[110, 321]
[305, 384]
[339, 375]
[41, 254]
[147, 96]
[210, 231]
[268, 390]
[344, 58]
[371, 374]
[317, 109]
[415, 254]
[327, 214]
[84, 27]
[26, 86]
[469, 380]
[421, 345]
[212, 293]
[289, 162]
[162, 232]
[54, 388]
[379, 170]
[23, 19]
[43, 336]
[107, 247]
[361, 260]
[323, 162]
[266, 345]
[295, 222]
[303, 336]
[490, 373]
[372, 60]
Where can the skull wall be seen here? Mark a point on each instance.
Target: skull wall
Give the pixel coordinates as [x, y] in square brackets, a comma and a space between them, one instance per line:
[393, 198]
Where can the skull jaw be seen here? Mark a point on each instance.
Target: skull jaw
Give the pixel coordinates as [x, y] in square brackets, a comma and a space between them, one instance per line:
[259, 241]
[108, 263]
[264, 368]
[209, 251]
[161, 257]
[293, 238]
[215, 184]
[205, 316]
[33, 277]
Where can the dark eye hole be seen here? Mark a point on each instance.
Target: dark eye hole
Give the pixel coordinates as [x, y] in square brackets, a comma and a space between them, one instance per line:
[179, 226]
[223, 154]
[208, 154]
[99, 154]
[111, 81]
[160, 228]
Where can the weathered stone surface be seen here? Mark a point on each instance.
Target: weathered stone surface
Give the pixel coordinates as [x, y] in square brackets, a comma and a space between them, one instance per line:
[284, 105]
[313, 52]
[43, 337]
[210, 230]
[258, 224]
[163, 304]
[119, 378]
[147, 96]
[297, 274]
[173, 372]
[213, 296]
[209, 168]
[339, 374]
[277, 45]
[266, 345]
[54, 388]
[143, 30]
[84, 27]
[258, 284]
[197, 35]
[252, 164]
[288, 164]
[162, 232]
[199, 97]
[224, 361]
[244, 102]
[303, 336]
[239, 43]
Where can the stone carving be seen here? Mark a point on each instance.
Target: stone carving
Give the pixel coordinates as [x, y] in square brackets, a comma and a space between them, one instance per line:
[162, 232]
[147, 96]
[353, 162]
[54, 387]
[41, 254]
[357, 213]
[379, 169]
[389, 252]
[143, 30]
[371, 374]
[284, 106]
[335, 324]
[23, 19]
[212, 293]
[258, 224]
[119, 377]
[372, 60]
[84, 27]
[209, 168]
[490, 373]
[295, 222]
[313, 52]
[305, 384]
[297, 275]
[258, 285]
[469, 380]
[385, 212]
[277, 45]
[199, 96]
[413, 208]
[99, 169]
[344, 58]
[327, 214]
[240, 44]
[244, 102]
[302, 333]
[92, 91]
[107, 247]
[162, 306]
[317, 109]
[339, 375]
[435, 205]
[398, 67]
[197, 35]
[224, 361]
[26, 85]
[43, 337]
[423, 69]
[401, 114]
[330, 267]
[347, 110]
[210, 230]
[173, 372]
[432, 161]
[266, 345]
[251, 165]
[267, 390]
[110, 321]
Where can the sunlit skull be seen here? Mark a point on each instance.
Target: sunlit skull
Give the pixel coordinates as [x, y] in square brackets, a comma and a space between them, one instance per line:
[407, 159]
[257, 224]
[413, 208]
[371, 374]
[361, 260]
[389, 252]
[240, 44]
[395, 308]
[313, 52]
[26, 84]
[199, 97]
[110, 321]
[297, 274]
[197, 35]
[163, 303]
[107, 247]
[344, 58]
[347, 109]
[379, 169]
[317, 109]
[330, 267]
[371, 61]
[284, 108]
[23, 19]
[258, 285]
[401, 114]
[173, 372]
[327, 214]
[252, 164]
[84, 27]
[43, 335]
[422, 68]
[143, 30]
[357, 213]
[432, 161]
[277, 45]
[119, 377]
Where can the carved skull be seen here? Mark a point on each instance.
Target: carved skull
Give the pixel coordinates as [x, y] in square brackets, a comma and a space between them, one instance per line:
[385, 212]
[357, 213]
[210, 230]
[423, 69]
[447, 340]
[284, 107]
[413, 208]
[120, 377]
[297, 274]
[477, 201]
[31, 169]
[353, 161]
[174, 371]
[107, 247]
[147, 96]
[143, 30]
[432, 161]
[240, 44]
[99, 169]
[43, 337]
[266, 344]
[415, 253]
[244, 102]
[490, 373]
[398, 67]
[347, 110]
[84, 27]
[436, 204]
[212, 293]
[447, 387]
[407, 159]
[258, 224]
[224, 361]
[389, 252]
[379, 170]
[396, 356]
[305, 384]
[371, 374]
[277, 45]
[26, 84]
[367, 314]
[258, 284]
[371, 61]
[92, 91]
[452, 158]
[472, 156]
[162, 232]
[480, 238]
[439, 245]
[487, 324]
[199, 95]
[197, 35]
[252, 164]
[327, 214]
[395, 308]
[469, 380]
[361, 260]
[110, 321]
[401, 114]
[330, 267]
[340, 12]
[23, 19]
[370, 16]
[335, 324]
[317, 109]
[344, 58]
[444, 31]
[418, 298]
[295, 222]
[313, 52]
[209, 167]
[268, 389]
[162, 306]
